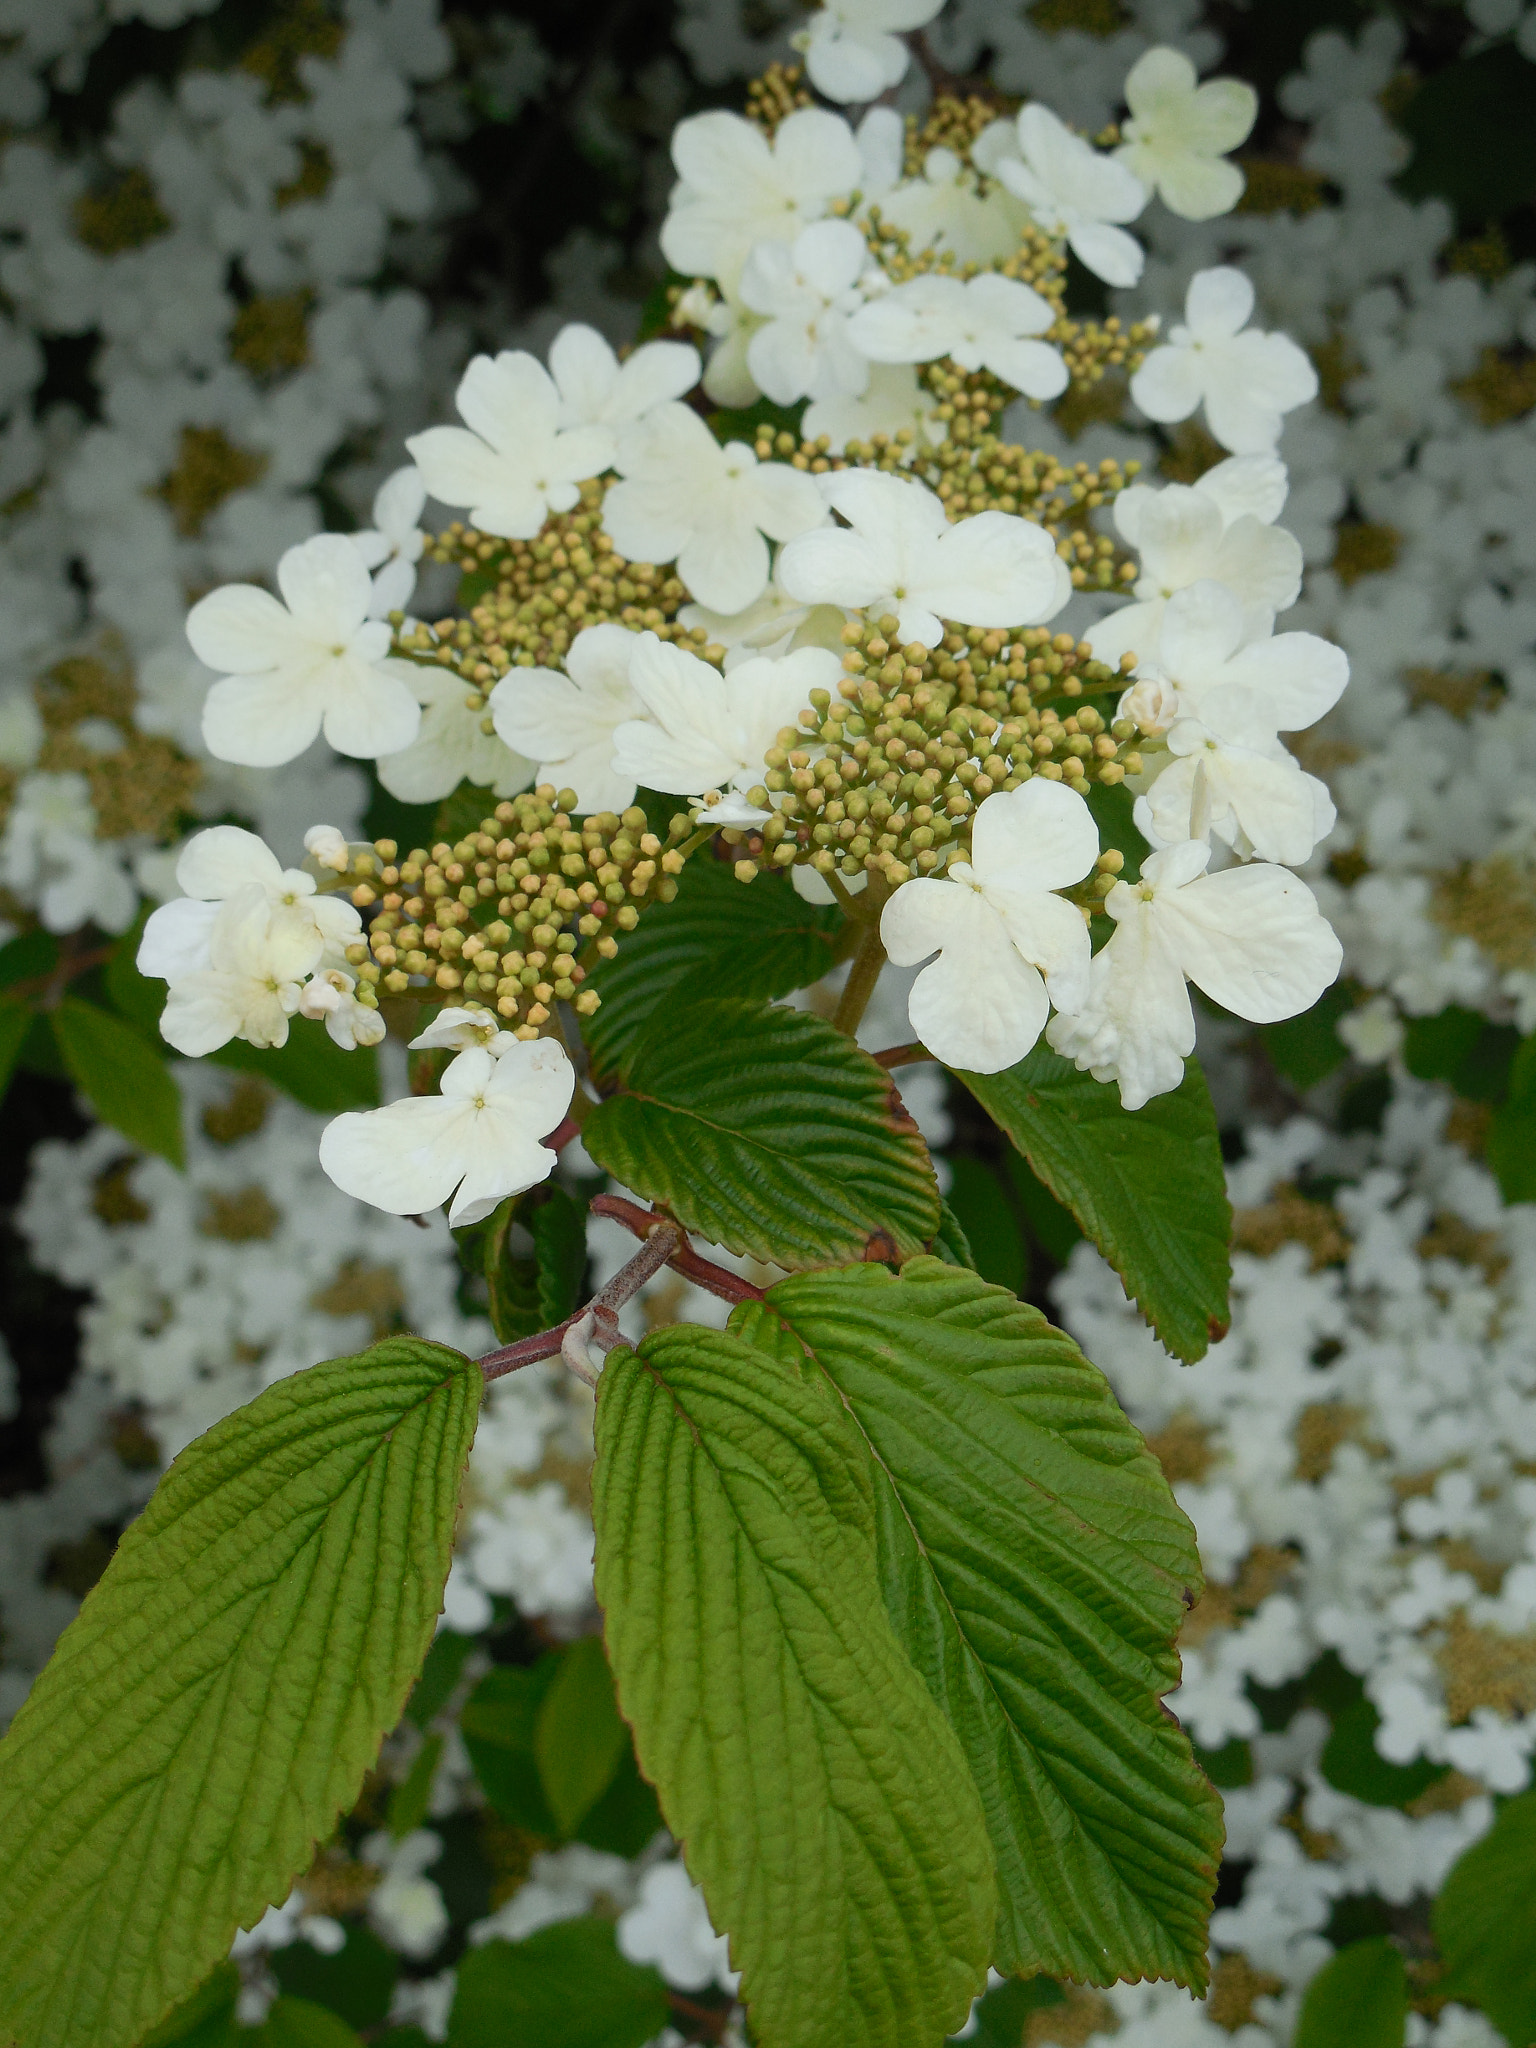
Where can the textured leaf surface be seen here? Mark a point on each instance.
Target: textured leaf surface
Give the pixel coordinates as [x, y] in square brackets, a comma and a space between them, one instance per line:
[1036, 1567]
[565, 1987]
[819, 1793]
[1358, 1999]
[124, 1078]
[771, 1133]
[579, 1740]
[757, 939]
[1485, 1922]
[1146, 1185]
[224, 1689]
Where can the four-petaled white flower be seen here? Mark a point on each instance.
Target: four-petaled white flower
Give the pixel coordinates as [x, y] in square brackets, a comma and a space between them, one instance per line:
[50, 855]
[316, 658]
[566, 723]
[684, 497]
[806, 289]
[252, 985]
[1180, 131]
[1251, 937]
[512, 463]
[900, 554]
[853, 49]
[1070, 190]
[945, 209]
[226, 865]
[987, 323]
[597, 390]
[1229, 775]
[1247, 379]
[713, 731]
[737, 188]
[476, 1140]
[1008, 946]
[453, 745]
[1219, 530]
[393, 545]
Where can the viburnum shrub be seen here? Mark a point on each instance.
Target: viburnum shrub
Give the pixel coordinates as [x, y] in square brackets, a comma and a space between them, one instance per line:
[752, 675]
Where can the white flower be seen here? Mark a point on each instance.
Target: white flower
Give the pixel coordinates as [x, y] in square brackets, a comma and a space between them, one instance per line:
[1232, 700]
[775, 623]
[1251, 937]
[1247, 380]
[669, 1926]
[713, 731]
[1071, 190]
[597, 390]
[479, 1136]
[806, 289]
[737, 188]
[393, 545]
[1219, 530]
[331, 998]
[453, 745]
[405, 1906]
[893, 402]
[1179, 131]
[684, 497]
[316, 658]
[457, 1030]
[510, 463]
[567, 722]
[984, 324]
[944, 209]
[900, 554]
[251, 986]
[1005, 942]
[50, 856]
[226, 865]
[853, 50]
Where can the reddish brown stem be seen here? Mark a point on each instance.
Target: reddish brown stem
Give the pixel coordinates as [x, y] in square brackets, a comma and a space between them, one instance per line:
[902, 1056]
[652, 1255]
[685, 1260]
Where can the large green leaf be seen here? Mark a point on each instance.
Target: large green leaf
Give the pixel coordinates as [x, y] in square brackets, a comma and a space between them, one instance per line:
[819, 1792]
[1485, 1922]
[1037, 1569]
[224, 1688]
[1146, 1185]
[757, 939]
[565, 1987]
[311, 1067]
[579, 1741]
[1357, 2000]
[124, 1078]
[771, 1133]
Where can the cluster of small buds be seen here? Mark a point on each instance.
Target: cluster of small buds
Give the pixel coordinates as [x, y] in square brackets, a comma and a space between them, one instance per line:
[951, 123]
[885, 777]
[775, 95]
[511, 917]
[974, 471]
[530, 598]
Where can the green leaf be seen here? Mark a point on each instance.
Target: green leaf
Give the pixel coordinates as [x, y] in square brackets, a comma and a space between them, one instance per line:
[981, 1205]
[1146, 1185]
[409, 1800]
[525, 1293]
[30, 957]
[497, 1725]
[134, 995]
[1003, 2014]
[627, 1816]
[1511, 1146]
[1307, 1049]
[124, 1079]
[565, 1987]
[439, 1675]
[559, 1228]
[1037, 1569]
[462, 813]
[950, 1242]
[357, 1981]
[1352, 1763]
[15, 1023]
[311, 1067]
[295, 2023]
[1360, 1997]
[579, 1740]
[821, 1795]
[206, 2019]
[224, 1688]
[768, 1132]
[1485, 1922]
[755, 940]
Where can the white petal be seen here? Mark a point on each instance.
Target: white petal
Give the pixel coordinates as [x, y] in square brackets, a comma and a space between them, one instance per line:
[1032, 367]
[655, 373]
[510, 402]
[398, 503]
[541, 715]
[534, 1081]
[326, 587]
[1219, 303]
[1007, 303]
[1198, 188]
[1254, 940]
[261, 721]
[835, 566]
[725, 564]
[1137, 1025]
[1042, 836]
[1201, 629]
[370, 711]
[927, 914]
[1109, 252]
[176, 940]
[784, 502]
[1296, 677]
[461, 470]
[241, 631]
[913, 323]
[1251, 484]
[993, 569]
[1262, 564]
[586, 369]
[1168, 386]
[406, 1158]
[215, 863]
[983, 1012]
[202, 1012]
